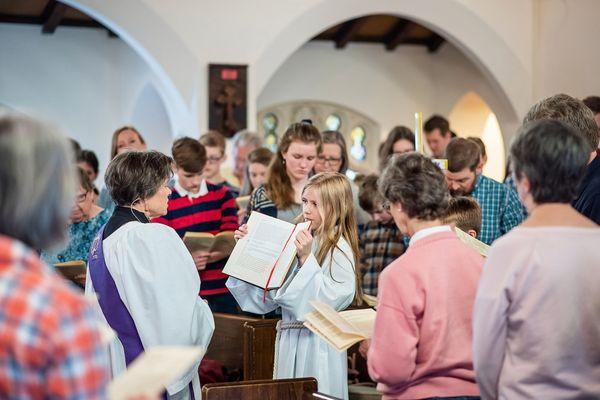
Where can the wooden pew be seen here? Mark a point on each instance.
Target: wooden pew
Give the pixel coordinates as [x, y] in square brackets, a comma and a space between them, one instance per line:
[279, 389]
[244, 344]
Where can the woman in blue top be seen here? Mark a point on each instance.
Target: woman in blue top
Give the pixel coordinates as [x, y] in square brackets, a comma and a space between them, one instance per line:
[86, 220]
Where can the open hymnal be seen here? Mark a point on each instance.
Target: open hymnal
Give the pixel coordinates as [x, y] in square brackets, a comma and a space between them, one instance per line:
[242, 202]
[264, 256]
[472, 242]
[153, 371]
[71, 269]
[340, 329]
[203, 241]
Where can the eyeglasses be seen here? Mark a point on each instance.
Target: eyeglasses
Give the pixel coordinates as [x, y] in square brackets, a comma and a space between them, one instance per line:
[213, 160]
[329, 160]
[386, 206]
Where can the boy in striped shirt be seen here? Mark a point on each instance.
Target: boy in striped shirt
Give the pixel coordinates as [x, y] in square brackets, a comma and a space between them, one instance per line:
[199, 206]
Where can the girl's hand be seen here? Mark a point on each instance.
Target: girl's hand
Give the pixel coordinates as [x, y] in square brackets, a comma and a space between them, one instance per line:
[240, 232]
[242, 213]
[303, 244]
[363, 348]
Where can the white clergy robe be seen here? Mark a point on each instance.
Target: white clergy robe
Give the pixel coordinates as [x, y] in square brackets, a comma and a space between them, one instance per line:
[158, 283]
[301, 353]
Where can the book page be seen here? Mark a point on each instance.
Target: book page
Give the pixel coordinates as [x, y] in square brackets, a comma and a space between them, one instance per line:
[198, 241]
[255, 255]
[224, 243]
[329, 332]
[362, 320]
[287, 257]
[334, 317]
[153, 370]
[472, 242]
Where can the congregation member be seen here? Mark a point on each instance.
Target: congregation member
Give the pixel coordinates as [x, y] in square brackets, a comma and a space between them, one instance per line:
[325, 270]
[50, 346]
[500, 205]
[464, 213]
[575, 113]
[214, 144]
[593, 103]
[242, 143]
[438, 135]
[88, 161]
[400, 140]
[333, 157]
[482, 151]
[421, 344]
[536, 326]
[143, 275]
[257, 170]
[196, 205]
[124, 139]
[380, 241]
[280, 197]
[85, 221]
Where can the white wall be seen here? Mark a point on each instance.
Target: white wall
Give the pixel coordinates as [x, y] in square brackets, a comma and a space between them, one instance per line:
[84, 81]
[386, 86]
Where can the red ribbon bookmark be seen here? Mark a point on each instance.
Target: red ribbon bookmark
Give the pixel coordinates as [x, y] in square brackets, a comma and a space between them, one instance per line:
[275, 265]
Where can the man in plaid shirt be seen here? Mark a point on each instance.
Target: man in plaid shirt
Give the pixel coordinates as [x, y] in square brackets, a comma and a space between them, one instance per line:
[500, 205]
[380, 241]
[49, 340]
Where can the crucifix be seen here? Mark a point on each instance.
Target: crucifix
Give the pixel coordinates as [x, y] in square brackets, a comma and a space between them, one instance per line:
[229, 100]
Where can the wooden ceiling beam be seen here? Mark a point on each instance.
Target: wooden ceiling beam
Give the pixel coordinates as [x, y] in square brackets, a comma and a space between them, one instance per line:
[434, 42]
[348, 30]
[397, 34]
[52, 16]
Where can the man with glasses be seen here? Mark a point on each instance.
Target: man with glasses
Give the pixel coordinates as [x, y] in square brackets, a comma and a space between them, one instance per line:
[214, 143]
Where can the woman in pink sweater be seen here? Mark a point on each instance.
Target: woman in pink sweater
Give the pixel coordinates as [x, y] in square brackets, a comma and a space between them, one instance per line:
[421, 346]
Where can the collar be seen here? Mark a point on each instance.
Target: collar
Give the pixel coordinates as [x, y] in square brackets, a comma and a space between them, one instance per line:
[478, 179]
[428, 231]
[184, 193]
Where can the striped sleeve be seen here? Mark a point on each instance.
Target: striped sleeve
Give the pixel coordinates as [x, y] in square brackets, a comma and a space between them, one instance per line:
[229, 209]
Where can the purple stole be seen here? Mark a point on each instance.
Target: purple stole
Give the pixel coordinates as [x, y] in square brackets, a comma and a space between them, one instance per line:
[112, 306]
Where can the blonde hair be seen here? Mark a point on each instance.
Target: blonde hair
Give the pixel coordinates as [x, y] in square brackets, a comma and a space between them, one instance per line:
[115, 139]
[279, 187]
[336, 209]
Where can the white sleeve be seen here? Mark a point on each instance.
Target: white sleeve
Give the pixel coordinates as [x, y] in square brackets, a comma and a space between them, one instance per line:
[333, 283]
[250, 297]
[158, 282]
[490, 323]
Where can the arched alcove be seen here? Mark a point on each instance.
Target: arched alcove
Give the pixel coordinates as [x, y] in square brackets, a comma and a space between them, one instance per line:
[471, 116]
[149, 115]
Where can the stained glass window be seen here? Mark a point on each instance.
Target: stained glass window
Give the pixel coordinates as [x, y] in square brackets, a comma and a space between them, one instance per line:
[333, 122]
[358, 149]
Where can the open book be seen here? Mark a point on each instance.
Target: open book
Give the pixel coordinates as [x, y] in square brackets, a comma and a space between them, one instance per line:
[472, 242]
[340, 329]
[71, 269]
[264, 256]
[204, 241]
[153, 370]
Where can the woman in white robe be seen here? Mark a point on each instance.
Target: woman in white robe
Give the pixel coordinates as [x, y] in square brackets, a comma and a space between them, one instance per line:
[299, 352]
[153, 272]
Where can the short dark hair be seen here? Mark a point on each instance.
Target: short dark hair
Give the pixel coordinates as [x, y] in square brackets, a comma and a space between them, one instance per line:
[368, 193]
[553, 156]
[84, 180]
[462, 153]
[335, 137]
[189, 154]
[89, 157]
[479, 143]
[568, 109]
[465, 213]
[437, 122]
[137, 175]
[593, 103]
[415, 182]
[387, 147]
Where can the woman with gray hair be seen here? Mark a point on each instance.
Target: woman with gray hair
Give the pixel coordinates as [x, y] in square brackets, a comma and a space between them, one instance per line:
[536, 326]
[50, 345]
[421, 345]
[145, 278]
